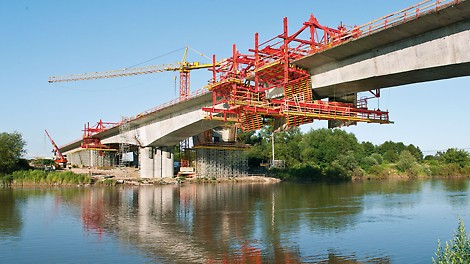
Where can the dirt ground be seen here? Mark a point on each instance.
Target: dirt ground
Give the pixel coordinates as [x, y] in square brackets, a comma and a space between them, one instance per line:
[131, 176]
[119, 174]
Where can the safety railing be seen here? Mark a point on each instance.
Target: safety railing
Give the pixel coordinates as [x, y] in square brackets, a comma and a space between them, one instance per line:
[396, 18]
[175, 101]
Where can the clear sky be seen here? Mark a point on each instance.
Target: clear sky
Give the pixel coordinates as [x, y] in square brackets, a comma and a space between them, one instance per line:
[45, 38]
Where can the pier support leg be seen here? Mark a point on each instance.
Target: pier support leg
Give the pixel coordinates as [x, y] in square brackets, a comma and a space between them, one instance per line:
[156, 162]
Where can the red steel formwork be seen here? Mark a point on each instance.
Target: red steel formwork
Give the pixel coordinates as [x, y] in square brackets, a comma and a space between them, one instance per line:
[89, 139]
[240, 83]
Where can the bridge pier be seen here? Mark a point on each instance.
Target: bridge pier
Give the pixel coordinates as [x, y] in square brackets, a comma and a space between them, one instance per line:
[156, 162]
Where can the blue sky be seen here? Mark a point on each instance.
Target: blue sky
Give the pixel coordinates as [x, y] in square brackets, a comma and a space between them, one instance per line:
[46, 38]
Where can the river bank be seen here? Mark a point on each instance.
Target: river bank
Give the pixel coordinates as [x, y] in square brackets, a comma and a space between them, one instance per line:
[130, 176]
[111, 177]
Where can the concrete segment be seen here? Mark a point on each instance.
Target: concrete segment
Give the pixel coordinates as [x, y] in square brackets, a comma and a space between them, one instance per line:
[439, 54]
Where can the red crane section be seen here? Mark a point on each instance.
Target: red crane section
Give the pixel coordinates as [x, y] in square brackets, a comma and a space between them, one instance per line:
[60, 158]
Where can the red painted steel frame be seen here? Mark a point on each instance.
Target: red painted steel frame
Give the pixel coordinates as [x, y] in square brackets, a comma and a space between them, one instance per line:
[239, 83]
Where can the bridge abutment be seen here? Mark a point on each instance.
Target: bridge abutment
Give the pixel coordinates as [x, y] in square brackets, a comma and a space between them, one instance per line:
[156, 162]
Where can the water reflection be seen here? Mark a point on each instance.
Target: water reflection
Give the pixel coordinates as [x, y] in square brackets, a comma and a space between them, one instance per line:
[457, 194]
[10, 216]
[254, 223]
[239, 222]
[456, 185]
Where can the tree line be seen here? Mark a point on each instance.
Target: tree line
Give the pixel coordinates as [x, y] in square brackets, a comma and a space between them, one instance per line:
[322, 154]
[334, 154]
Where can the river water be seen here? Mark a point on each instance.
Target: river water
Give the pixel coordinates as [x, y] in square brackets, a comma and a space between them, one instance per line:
[355, 222]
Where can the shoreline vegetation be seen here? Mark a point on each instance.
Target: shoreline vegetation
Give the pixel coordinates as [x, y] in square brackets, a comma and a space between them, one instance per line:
[314, 156]
[333, 154]
[68, 178]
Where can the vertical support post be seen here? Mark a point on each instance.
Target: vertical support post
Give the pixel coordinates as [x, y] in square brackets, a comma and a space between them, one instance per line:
[286, 53]
[313, 47]
[235, 59]
[256, 62]
[235, 70]
[272, 147]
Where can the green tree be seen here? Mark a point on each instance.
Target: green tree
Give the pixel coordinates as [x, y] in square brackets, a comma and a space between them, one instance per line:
[368, 148]
[415, 151]
[377, 157]
[259, 140]
[11, 150]
[391, 156]
[286, 146]
[455, 156]
[406, 161]
[323, 146]
[390, 150]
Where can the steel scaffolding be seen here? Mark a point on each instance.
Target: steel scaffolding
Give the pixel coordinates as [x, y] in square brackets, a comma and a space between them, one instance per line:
[124, 146]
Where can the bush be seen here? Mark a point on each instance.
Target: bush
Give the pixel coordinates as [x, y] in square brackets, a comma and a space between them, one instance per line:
[6, 180]
[455, 251]
[415, 170]
[406, 161]
[377, 157]
[380, 171]
[368, 162]
[300, 173]
[390, 156]
[445, 170]
[465, 171]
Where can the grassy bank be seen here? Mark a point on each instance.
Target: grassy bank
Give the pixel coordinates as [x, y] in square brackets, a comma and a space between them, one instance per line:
[43, 178]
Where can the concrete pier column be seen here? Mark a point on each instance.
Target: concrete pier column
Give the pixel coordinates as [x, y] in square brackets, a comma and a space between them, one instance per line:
[167, 161]
[156, 162]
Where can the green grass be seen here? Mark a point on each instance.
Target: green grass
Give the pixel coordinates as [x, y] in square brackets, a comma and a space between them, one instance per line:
[39, 177]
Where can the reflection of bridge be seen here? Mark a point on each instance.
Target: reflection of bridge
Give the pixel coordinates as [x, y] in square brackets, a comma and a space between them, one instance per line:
[198, 223]
[426, 42]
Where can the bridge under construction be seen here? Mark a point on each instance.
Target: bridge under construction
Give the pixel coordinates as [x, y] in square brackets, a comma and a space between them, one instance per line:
[312, 73]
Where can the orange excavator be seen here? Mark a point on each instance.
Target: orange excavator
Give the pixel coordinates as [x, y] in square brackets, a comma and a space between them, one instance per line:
[59, 158]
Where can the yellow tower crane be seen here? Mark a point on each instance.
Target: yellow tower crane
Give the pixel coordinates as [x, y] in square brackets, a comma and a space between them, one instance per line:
[183, 67]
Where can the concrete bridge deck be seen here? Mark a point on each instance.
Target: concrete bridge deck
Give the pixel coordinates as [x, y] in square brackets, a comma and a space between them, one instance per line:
[430, 47]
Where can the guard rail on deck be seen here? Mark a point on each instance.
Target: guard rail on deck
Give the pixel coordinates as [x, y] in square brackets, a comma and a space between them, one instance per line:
[193, 95]
[396, 18]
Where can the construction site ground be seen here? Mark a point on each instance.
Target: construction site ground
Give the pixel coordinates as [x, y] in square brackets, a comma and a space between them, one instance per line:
[131, 176]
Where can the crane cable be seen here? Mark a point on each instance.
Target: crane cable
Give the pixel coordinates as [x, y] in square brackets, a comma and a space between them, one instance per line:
[154, 58]
[200, 53]
[168, 53]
